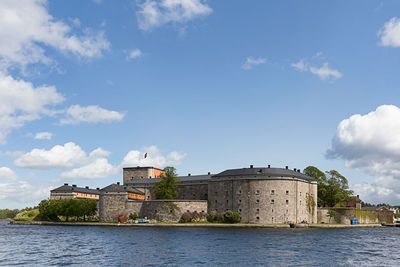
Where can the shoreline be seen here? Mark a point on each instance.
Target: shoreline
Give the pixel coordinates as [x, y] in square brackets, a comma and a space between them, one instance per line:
[200, 225]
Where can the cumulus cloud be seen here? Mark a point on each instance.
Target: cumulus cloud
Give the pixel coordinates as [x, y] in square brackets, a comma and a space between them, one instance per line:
[99, 168]
[26, 28]
[43, 136]
[154, 158]
[251, 62]
[21, 102]
[66, 156]
[389, 34]
[134, 53]
[371, 143]
[154, 13]
[22, 193]
[324, 72]
[90, 114]
[7, 174]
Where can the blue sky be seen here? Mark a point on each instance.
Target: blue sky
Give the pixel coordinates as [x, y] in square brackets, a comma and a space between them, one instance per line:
[87, 87]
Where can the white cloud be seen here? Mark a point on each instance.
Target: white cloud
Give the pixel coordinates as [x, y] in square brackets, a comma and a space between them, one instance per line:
[154, 13]
[22, 193]
[90, 114]
[7, 174]
[371, 143]
[251, 62]
[384, 189]
[154, 158]
[390, 33]
[44, 136]
[300, 66]
[99, 168]
[21, 102]
[324, 72]
[67, 156]
[26, 28]
[134, 53]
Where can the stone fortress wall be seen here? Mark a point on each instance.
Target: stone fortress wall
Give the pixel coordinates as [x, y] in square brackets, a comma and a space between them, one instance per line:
[264, 199]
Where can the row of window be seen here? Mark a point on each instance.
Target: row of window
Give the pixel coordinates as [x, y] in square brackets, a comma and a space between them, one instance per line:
[257, 192]
[257, 201]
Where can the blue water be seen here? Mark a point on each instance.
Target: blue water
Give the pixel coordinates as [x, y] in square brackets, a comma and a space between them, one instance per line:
[113, 246]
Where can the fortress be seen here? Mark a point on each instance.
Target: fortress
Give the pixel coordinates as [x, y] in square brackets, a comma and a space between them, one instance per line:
[259, 194]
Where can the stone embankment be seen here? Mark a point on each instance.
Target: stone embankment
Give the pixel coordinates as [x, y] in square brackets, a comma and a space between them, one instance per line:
[201, 225]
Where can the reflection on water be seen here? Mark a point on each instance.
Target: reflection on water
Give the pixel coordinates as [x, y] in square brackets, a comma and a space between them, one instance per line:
[113, 246]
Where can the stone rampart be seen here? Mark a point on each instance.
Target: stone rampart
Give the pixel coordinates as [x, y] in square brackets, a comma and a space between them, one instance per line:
[345, 215]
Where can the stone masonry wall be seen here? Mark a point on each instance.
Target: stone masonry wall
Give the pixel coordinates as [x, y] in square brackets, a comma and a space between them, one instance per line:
[136, 173]
[171, 210]
[345, 215]
[280, 200]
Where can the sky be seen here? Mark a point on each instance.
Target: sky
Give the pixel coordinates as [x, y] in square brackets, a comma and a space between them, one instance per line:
[88, 87]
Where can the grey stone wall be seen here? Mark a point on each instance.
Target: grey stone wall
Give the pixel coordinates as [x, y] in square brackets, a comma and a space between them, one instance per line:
[345, 215]
[61, 196]
[111, 205]
[268, 200]
[135, 173]
[115, 204]
[171, 210]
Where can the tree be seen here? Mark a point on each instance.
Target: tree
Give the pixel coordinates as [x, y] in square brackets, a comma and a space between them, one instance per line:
[320, 176]
[331, 214]
[166, 188]
[333, 188]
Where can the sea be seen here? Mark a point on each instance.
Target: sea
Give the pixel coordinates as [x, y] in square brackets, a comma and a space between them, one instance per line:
[36, 245]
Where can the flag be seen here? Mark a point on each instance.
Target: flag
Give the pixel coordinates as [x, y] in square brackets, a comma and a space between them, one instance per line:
[145, 155]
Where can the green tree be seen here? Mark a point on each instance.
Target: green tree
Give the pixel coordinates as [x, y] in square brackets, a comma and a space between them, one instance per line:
[331, 214]
[89, 207]
[166, 188]
[333, 188]
[49, 210]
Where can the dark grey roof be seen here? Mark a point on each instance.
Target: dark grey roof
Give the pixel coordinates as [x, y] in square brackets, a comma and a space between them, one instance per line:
[69, 188]
[121, 188]
[183, 179]
[273, 172]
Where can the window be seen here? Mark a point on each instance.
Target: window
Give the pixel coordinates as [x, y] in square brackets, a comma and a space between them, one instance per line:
[287, 201]
[272, 192]
[272, 219]
[240, 201]
[257, 201]
[257, 192]
[300, 193]
[240, 210]
[240, 191]
[257, 210]
[227, 201]
[272, 201]
[257, 218]
[287, 192]
[216, 201]
[272, 210]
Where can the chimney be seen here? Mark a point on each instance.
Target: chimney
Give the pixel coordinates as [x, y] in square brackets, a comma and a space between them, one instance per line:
[294, 169]
[65, 184]
[287, 167]
[298, 170]
[251, 166]
[189, 174]
[209, 173]
[97, 188]
[87, 187]
[74, 185]
[269, 166]
[358, 196]
[117, 183]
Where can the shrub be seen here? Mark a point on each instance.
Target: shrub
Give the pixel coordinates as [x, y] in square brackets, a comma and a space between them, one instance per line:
[186, 217]
[214, 217]
[133, 216]
[231, 217]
